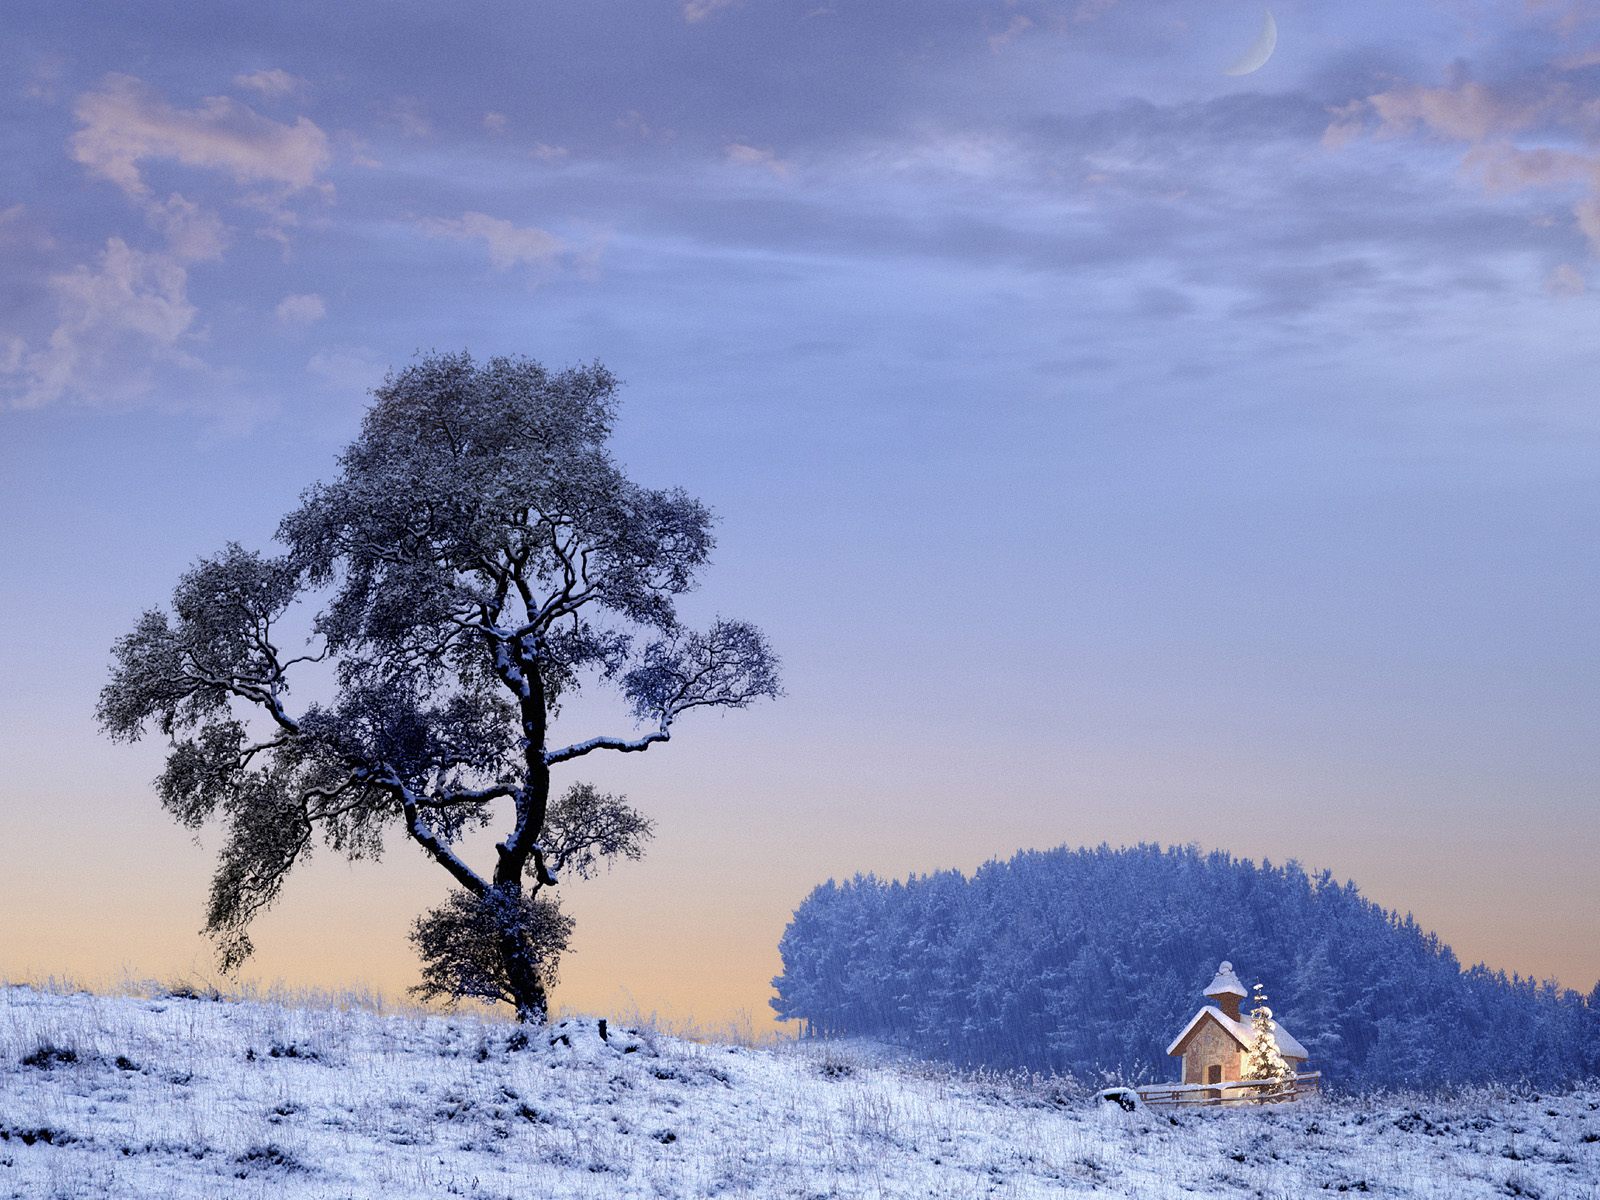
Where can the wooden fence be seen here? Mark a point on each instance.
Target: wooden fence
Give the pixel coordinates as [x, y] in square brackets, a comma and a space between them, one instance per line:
[1235, 1092]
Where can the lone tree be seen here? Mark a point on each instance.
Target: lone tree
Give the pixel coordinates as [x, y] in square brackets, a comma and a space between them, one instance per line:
[479, 558]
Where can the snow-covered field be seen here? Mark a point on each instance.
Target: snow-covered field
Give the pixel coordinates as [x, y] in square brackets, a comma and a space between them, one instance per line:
[183, 1098]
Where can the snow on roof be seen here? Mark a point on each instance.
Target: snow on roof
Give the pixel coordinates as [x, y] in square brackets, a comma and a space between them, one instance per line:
[1288, 1045]
[1226, 983]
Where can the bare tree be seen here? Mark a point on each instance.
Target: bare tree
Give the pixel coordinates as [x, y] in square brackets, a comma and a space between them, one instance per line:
[478, 558]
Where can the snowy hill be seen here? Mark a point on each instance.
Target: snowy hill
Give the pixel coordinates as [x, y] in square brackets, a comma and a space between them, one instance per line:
[185, 1098]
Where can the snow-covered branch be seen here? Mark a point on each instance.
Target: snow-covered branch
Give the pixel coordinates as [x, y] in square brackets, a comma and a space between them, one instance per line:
[436, 847]
[624, 745]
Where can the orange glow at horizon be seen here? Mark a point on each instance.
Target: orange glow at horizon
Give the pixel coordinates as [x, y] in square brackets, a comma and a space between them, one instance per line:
[689, 935]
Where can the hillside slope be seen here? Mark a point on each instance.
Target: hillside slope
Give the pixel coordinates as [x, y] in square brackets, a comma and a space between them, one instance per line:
[183, 1098]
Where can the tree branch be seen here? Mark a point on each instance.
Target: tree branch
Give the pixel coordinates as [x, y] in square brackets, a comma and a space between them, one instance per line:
[428, 840]
[623, 745]
[472, 795]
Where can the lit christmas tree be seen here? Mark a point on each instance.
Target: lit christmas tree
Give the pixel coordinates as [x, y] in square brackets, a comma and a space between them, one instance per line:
[1264, 1060]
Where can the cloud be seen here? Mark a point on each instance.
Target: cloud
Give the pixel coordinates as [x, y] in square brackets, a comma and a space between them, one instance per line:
[408, 114]
[272, 82]
[1587, 212]
[634, 124]
[348, 368]
[126, 122]
[1467, 112]
[755, 156]
[1539, 132]
[11, 222]
[1092, 10]
[1348, 124]
[509, 245]
[1577, 62]
[1019, 25]
[1566, 280]
[116, 319]
[301, 310]
[495, 122]
[1508, 168]
[695, 11]
[943, 153]
[193, 234]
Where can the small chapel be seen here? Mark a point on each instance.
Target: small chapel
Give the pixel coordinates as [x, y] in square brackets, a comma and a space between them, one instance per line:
[1217, 1039]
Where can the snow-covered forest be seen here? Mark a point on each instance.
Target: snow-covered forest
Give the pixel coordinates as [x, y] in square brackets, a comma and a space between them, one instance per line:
[1089, 961]
[184, 1098]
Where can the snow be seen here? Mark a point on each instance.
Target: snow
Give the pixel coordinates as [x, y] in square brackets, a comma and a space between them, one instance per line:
[183, 1099]
[1226, 983]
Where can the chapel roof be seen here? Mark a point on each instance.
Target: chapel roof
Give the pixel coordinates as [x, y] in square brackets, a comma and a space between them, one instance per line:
[1288, 1045]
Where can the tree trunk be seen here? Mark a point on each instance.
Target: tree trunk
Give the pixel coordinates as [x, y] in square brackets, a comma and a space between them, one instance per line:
[533, 799]
[527, 989]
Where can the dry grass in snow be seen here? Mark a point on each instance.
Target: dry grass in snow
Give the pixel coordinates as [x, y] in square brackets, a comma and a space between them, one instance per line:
[160, 1096]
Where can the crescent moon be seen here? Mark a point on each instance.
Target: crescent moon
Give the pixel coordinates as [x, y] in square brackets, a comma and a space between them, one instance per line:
[1256, 57]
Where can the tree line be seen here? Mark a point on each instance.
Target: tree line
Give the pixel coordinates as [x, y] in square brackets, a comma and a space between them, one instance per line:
[1088, 962]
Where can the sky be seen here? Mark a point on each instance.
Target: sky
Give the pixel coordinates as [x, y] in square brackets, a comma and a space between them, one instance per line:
[1114, 449]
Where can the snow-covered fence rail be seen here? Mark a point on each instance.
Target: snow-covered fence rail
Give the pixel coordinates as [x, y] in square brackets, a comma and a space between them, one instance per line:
[1239, 1091]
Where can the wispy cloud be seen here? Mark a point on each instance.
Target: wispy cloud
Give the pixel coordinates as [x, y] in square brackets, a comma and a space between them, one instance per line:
[509, 245]
[1091, 10]
[698, 10]
[1566, 280]
[634, 124]
[301, 310]
[1468, 111]
[760, 157]
[1580, 60]
[193, 234]
[351, 369]
[116, 319]
[20, 227]
[410, 117]
[126, 122]
[1539, 132]
[1018, 26]
[271, 82]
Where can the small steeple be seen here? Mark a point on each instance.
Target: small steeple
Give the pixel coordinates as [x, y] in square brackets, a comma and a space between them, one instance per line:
[1226, 991]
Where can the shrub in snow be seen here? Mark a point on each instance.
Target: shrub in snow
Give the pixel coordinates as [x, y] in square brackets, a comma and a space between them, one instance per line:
[191, 991]
[292, 1050]
[460, 944]
[268, 1157]
[835, 1066]
[35, 1135]
[49, 1055]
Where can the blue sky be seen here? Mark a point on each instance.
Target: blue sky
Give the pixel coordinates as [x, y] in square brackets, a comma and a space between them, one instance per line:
[1113, 448]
